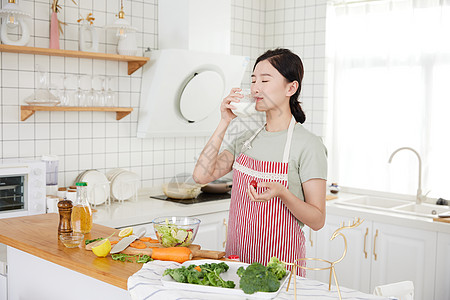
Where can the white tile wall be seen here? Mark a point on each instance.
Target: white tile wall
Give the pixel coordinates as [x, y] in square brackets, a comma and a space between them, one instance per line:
[86, 140]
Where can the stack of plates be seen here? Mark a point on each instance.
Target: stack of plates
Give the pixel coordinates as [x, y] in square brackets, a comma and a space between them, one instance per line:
[98, 187]
[123, 183]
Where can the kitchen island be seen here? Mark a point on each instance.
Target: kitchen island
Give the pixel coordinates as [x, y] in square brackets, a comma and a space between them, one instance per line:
[41, 267]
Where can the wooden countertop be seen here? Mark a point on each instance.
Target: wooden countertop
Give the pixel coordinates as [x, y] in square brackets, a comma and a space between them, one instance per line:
[38, 235]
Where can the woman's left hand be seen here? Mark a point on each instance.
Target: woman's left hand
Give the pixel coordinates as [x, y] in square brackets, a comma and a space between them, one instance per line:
[274, 189]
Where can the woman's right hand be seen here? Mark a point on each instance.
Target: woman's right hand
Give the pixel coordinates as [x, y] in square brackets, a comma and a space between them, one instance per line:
[226, 106]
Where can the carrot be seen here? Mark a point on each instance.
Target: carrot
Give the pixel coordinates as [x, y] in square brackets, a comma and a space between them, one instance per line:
[114, 242]
[138, 245]
[198, 268]
[178, 254]
[148, 239]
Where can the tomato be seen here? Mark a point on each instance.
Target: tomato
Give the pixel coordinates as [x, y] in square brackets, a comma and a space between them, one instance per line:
[253, 183]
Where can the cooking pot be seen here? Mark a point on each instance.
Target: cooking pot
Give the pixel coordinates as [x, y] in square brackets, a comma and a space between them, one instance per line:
[218, 186]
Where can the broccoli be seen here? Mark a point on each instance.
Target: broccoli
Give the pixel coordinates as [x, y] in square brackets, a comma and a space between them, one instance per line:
[257, 278]
[276, 267]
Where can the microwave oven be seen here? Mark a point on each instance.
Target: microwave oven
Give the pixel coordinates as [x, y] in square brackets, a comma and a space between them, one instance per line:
[22, 188]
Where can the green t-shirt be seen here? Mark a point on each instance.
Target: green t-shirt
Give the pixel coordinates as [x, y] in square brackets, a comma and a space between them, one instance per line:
[307, 158]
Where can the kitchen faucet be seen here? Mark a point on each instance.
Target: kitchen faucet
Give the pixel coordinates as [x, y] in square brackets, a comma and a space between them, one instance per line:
[419, 196]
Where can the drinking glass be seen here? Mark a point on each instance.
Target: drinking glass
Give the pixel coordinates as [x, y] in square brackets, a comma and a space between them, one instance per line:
[110, 94]
[102, 92]
[80, 94]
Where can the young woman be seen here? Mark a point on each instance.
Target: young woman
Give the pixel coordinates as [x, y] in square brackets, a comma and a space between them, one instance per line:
[285, 162]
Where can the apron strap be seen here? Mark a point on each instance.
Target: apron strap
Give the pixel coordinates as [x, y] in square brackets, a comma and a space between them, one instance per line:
[287, 147]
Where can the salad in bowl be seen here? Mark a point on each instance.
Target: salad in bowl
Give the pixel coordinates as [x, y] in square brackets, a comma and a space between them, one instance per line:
[176, 231]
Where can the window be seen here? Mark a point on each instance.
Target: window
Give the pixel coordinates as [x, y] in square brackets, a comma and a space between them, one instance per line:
[389, 87]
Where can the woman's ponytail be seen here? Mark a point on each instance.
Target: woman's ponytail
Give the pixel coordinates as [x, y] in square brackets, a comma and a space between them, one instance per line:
[297, 110]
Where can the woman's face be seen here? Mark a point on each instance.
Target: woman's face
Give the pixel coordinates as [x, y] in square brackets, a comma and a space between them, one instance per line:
[270, 89]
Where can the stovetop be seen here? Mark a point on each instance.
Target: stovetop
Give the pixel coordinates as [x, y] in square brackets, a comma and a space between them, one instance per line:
[202, 197]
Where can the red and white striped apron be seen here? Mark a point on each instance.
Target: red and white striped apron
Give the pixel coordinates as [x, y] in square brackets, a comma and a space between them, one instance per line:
[259, 230]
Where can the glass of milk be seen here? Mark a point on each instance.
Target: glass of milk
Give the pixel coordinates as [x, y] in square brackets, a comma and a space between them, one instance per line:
[246, 106]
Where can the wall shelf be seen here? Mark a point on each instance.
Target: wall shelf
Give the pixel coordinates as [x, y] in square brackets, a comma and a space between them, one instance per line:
[134, 62]
[27, 111]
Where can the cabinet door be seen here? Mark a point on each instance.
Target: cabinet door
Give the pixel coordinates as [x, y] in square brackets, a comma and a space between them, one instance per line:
[401, 253]
[442, 288]
[212, 233]
[3, 288]
[354, 270]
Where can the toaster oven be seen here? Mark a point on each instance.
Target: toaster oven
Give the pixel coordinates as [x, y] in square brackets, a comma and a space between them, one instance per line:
[22, 188]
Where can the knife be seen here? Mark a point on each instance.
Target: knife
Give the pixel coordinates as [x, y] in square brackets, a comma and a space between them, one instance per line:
[126, 241]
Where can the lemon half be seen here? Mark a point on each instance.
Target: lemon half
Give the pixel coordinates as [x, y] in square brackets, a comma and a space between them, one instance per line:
[126, 232]
[103, 249]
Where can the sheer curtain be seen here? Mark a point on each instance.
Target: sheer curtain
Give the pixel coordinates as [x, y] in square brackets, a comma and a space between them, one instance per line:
[389, 87]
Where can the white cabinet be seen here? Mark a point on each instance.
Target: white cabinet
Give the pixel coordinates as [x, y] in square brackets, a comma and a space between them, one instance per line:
[3, 288]
[378, 254]
[404, 254]
[442, 286]
[212, 233]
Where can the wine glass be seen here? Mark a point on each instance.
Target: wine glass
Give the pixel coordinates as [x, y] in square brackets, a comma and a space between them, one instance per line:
[102, 92]
[110, 94]
[92, 97]
[80, 95]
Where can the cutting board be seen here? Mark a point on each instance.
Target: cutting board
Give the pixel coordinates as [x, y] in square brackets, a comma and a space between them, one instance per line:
[195, 249]
[443, 220]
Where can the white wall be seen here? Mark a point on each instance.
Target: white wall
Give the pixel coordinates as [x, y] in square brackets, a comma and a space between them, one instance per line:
[86, 140]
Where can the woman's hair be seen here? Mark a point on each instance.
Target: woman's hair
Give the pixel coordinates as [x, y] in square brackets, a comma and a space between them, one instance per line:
[291, 67]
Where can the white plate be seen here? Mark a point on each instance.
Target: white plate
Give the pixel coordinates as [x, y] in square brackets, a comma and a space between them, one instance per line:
[168, 281]
[97, 186]
[113, 173]
[79, 177]
[123, 185]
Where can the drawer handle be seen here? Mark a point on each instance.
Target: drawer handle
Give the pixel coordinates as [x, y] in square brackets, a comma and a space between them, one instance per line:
[310, 239]
[226, 232]
[375, 245]
[365, 238]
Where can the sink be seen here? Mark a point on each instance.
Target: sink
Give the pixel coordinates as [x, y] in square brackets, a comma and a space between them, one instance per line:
[424, 209]
[396, 205]
[376, 202]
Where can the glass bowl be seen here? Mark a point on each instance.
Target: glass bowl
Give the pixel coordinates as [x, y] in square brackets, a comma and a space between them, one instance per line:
[176, 231]
[71, 240]
[181, 190]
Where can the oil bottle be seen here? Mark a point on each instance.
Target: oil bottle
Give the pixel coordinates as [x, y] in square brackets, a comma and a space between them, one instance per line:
[81, 211]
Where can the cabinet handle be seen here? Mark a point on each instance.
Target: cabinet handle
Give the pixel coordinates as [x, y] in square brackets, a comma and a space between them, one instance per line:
[226, 232]
[310, 239]
[365, 238]
[375, 245]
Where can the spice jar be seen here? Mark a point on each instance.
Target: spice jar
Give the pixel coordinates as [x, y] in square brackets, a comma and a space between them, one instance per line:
[61, 192]
[81, 211]
[65, 212]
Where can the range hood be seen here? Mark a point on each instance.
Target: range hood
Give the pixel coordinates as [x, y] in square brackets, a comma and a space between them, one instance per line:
[185, 81]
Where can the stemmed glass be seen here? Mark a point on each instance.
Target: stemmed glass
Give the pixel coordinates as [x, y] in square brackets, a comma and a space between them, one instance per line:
[110, 94]
[102, 93]
[61, 90]
[92, 97]
[80, 95]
